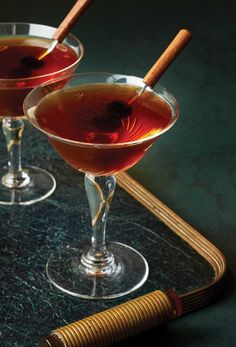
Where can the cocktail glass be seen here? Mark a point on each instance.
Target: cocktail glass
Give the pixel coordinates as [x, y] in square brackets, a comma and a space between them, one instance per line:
[30, 184]
[95, 134]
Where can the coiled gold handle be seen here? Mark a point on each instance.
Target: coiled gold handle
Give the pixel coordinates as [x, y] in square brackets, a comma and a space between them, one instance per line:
[115, 324]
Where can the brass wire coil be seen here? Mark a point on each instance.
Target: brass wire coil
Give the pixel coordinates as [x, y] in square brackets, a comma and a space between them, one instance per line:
[114, 324]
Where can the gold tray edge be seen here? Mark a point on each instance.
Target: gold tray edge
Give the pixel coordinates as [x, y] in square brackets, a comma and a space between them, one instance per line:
[202, 296]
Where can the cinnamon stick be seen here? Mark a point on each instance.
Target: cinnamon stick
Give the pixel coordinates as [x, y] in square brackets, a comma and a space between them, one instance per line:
[70, 20]
[167, 57]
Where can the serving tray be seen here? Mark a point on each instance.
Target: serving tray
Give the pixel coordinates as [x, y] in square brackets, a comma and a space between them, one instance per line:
[179, 257]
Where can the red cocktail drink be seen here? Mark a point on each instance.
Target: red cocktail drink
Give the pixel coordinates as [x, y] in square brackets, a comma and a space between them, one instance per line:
[18, 77]
[20, 71]
[94, 125]
[101, 142]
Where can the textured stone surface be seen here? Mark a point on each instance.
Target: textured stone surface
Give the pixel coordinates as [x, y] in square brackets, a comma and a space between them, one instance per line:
[30, 306]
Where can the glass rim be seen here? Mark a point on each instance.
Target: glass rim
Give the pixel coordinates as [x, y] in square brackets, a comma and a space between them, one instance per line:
[27, 79]
[174, 113]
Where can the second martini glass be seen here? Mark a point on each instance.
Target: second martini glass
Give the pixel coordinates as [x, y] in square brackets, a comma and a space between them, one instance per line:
[18, 41]
[83, 124]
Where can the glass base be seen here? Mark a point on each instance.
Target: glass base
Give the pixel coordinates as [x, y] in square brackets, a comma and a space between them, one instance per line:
[130, 272]
[42, 184]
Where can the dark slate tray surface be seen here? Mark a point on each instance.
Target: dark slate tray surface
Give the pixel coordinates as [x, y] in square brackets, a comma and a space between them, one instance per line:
[29, 306]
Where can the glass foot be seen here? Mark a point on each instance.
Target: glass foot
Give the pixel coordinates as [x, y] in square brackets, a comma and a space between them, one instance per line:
[42, 184]
[65, 271]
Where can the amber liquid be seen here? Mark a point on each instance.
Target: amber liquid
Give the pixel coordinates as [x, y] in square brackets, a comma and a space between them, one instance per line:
[16, 81]
[81, 114]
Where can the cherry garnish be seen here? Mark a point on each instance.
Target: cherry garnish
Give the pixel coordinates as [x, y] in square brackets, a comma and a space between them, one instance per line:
[115, 111]
[118, 109]
[27, 64]
[31, 63]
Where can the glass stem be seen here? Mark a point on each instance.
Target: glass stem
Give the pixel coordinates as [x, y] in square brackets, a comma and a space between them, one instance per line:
[98, 260]
[15, 176]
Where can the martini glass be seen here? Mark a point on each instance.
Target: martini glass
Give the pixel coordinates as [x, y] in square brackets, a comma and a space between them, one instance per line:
[93, 138]
[19, 42]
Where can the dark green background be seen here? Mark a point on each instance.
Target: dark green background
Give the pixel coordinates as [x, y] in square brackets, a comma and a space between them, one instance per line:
[192, 167]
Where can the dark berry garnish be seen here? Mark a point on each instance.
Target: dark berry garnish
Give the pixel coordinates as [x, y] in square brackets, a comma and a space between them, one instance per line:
[114, 113]
[31, 63]
[118, 109]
